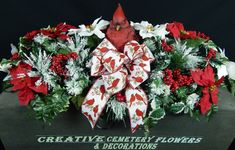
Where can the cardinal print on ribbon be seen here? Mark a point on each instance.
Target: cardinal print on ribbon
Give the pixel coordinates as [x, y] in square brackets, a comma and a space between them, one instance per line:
[117, 71]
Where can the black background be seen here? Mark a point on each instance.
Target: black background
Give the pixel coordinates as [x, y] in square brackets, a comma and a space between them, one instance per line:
[213, 17]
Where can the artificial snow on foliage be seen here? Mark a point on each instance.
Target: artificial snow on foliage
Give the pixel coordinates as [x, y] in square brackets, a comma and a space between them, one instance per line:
[119, 68]
[77, 79]
[191, 100]
[41, 62]
[118, 108]
[189, 54]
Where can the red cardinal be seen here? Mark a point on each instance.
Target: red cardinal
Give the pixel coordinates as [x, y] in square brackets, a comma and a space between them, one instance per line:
[132, 99]
[114, 84]
[120, 32]
[139, 113]
[102, 90]
[139, 98]
[138, 79]
[103, 49]
[89, 102]
[95, 110]
[107, 60]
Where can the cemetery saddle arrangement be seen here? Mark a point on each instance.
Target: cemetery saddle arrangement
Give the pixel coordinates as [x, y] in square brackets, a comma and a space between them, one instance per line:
[118, 70]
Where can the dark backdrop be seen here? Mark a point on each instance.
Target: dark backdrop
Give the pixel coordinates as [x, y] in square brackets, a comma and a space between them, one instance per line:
[214, 17]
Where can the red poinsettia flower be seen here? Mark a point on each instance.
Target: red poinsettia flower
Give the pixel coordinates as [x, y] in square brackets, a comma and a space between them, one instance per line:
[203, 36]
[58, 31]
[210, 91]
[30, 35]
[175, 29]
[189, 35]
[24, 84]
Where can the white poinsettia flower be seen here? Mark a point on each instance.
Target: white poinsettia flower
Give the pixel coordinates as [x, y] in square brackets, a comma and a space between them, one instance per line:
[147, 30]
[95, 28]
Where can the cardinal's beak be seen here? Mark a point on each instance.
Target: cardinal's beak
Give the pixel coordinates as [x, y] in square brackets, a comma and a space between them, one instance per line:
[118, 27]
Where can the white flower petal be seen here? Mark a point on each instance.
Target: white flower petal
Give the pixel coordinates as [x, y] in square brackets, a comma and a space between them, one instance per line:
[160, 30]
[99, 33]
[82, 28]
[137, 26]
[102, 24]
[144, 34]
[145, 23]
[86, 33]
[231, 69]
[95, 22]
[222, 71]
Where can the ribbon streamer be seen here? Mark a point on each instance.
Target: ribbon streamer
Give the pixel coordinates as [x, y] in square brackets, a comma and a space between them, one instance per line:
[118, 71]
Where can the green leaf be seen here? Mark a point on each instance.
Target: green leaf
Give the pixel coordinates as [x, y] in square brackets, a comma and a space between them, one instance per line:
[93, 41]
[211, 112]
[195, 114]
[46, 108]
[157, 114]
[177, 61]
[182, 92]
[177, 107]
[63, 51]
[77, 101]
[230, 85]
[194, 42]
[5, 85]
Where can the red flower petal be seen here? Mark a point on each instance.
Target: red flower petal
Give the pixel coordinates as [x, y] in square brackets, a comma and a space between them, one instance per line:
[205, 104]
[208, 76]
[18, 84]
[196, 75]
[214, 96]
[219, 81]
[25, 96]
[175, 29]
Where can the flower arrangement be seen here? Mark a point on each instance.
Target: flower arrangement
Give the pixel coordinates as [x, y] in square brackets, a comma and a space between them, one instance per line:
[118, 68]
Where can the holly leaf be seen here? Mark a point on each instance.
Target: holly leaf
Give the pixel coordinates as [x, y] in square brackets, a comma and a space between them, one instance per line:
[177, 107]
[157, 113]
[46, 108]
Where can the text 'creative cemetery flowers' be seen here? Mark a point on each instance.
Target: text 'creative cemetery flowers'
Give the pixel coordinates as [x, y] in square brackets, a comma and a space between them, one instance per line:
[118, 67]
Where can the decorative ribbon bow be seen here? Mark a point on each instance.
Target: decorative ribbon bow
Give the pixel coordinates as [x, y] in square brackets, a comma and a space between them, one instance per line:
[118, 71]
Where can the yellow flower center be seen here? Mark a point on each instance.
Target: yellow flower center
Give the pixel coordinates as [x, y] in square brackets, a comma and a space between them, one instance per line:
[212, 88]
[149, 27]
[90, 27]
[183, 32]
